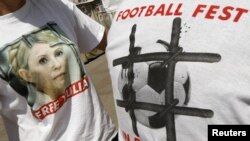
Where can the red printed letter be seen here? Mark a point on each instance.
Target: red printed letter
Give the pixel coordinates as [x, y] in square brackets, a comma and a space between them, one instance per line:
[119, 15]
[150, 10]
[142, 9]
[134, 12]
[198, 9]
[212, 10]
[137, 139]
[178, 10]
[125, 14]
[125, 136]
[240, 12]
[160, 10]
[227, 13]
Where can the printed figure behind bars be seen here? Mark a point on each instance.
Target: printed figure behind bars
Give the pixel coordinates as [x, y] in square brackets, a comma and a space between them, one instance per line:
[39, 63]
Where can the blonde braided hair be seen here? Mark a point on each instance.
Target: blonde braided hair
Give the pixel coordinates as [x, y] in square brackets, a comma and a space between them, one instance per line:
[18, 57]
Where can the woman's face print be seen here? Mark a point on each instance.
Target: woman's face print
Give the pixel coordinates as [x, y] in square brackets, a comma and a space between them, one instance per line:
[47, 67]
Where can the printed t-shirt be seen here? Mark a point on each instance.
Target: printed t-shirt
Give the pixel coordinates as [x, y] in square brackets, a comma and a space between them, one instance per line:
[178, 66]
[45, 91]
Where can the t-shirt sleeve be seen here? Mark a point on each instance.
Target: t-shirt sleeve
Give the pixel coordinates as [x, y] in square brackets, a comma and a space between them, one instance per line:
[3, 94]
[2, 91]
[89, 32]
[11, 103]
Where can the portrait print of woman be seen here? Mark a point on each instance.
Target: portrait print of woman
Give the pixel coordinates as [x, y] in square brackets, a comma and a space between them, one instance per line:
[42, 60]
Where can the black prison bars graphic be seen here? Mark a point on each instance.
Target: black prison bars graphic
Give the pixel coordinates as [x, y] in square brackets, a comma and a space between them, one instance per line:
[175, 54]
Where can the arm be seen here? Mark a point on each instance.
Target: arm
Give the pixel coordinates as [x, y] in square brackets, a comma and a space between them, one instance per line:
[89, 33]
[103, 44]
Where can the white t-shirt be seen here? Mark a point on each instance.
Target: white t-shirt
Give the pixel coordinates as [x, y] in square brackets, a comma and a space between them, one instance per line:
[177, 66]
[58, 101]
[111, 5]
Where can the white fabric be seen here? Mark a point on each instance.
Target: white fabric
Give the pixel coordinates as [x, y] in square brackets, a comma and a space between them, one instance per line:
[82, 117]
[217, 27]
[111, 5]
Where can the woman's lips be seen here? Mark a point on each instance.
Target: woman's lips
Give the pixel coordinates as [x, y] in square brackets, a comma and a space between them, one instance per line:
[61, 75]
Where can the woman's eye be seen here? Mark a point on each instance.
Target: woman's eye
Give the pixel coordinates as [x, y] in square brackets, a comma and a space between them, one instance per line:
[59, 53]
[43, 61]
